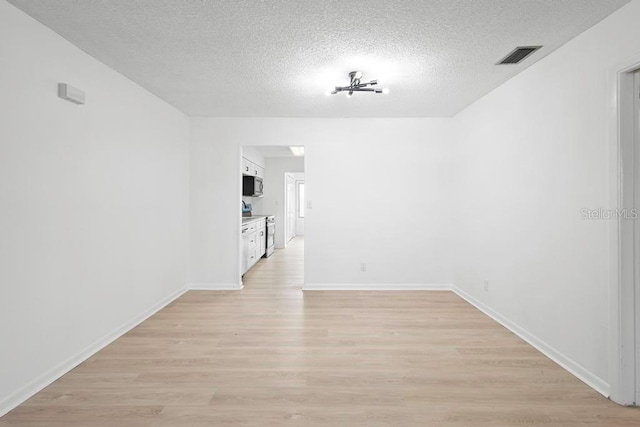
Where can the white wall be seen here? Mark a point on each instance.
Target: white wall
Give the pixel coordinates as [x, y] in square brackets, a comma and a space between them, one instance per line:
[94, 201]
[531, 155]
[379, 188]
[253, 155]
[274, 199]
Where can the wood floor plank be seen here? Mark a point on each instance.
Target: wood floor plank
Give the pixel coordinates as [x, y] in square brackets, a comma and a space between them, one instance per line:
[274, 355]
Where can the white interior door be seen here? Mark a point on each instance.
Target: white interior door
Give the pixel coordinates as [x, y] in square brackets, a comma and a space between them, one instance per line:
[290, 199]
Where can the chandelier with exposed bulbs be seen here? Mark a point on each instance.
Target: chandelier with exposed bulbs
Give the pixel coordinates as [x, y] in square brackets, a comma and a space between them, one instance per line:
[357, 85]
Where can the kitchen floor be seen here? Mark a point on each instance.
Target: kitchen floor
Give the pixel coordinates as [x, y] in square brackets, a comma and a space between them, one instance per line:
[273, 355]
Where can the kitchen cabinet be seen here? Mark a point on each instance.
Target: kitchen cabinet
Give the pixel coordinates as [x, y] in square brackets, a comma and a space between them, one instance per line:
[245, 250]
[248, 246]
[252, 250]
[254, 239]
[250, 168]
[246, 166]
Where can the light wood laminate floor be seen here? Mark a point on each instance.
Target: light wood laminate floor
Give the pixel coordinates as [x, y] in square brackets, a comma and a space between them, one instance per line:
[273, 355]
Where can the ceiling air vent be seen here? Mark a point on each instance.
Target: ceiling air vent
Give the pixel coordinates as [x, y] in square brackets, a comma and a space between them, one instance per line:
[518, 54]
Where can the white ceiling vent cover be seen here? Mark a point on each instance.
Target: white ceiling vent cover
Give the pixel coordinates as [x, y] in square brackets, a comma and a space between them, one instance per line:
[518, 54]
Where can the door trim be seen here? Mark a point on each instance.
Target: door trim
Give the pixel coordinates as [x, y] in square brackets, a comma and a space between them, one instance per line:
[622, 292]
[290, 204]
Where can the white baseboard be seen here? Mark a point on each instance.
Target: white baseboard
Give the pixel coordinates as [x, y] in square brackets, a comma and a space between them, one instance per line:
[56, 372]
[376, 287]
[584, 375]
[215, 286]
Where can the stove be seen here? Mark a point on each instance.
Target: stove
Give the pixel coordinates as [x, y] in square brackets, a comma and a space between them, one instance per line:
[271, 235]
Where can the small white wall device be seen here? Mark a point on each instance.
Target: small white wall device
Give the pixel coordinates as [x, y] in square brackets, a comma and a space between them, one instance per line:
[70, 93]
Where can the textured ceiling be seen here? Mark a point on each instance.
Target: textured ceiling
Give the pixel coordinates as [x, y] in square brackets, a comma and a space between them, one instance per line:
[277, 58]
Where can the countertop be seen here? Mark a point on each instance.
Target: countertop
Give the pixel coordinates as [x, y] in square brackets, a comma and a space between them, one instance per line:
[248, 219]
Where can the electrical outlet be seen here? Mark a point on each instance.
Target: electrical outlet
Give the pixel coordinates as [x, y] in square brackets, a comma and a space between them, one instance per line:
[309, 204]
[363, 267]
[486, 285]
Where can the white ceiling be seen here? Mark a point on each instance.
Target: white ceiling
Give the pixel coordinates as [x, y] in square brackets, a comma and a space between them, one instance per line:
[277, 58]
[273, 151]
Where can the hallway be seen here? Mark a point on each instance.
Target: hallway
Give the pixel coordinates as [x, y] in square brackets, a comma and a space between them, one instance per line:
[272, 355]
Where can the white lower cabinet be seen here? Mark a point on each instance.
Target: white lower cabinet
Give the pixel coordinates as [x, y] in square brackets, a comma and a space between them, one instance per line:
[251, 252]
[245, 249]
[254, 239]
[261, 240]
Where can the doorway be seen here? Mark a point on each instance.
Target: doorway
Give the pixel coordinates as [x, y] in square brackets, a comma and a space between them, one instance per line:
[295, 204]
[300, 201]
[279, 168]
[290, 202]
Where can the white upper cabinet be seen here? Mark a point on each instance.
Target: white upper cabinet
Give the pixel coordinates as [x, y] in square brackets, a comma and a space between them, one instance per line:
[250, 168]
[246, 167]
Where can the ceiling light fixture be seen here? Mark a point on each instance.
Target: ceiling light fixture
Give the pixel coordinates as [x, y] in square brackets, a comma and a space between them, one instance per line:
[297, 151]
[356, 85]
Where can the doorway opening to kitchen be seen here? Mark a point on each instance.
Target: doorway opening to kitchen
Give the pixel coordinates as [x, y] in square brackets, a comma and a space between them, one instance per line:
[273, 207]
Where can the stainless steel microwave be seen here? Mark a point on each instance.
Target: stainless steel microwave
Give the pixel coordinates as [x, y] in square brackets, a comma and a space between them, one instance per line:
[252, 186]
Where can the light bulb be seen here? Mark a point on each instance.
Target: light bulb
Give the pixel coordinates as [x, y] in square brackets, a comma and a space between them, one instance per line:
[385, 91]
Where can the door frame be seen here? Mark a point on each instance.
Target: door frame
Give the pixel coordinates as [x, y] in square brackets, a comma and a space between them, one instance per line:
[298, 203]
[289, 223]
[624, 295]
